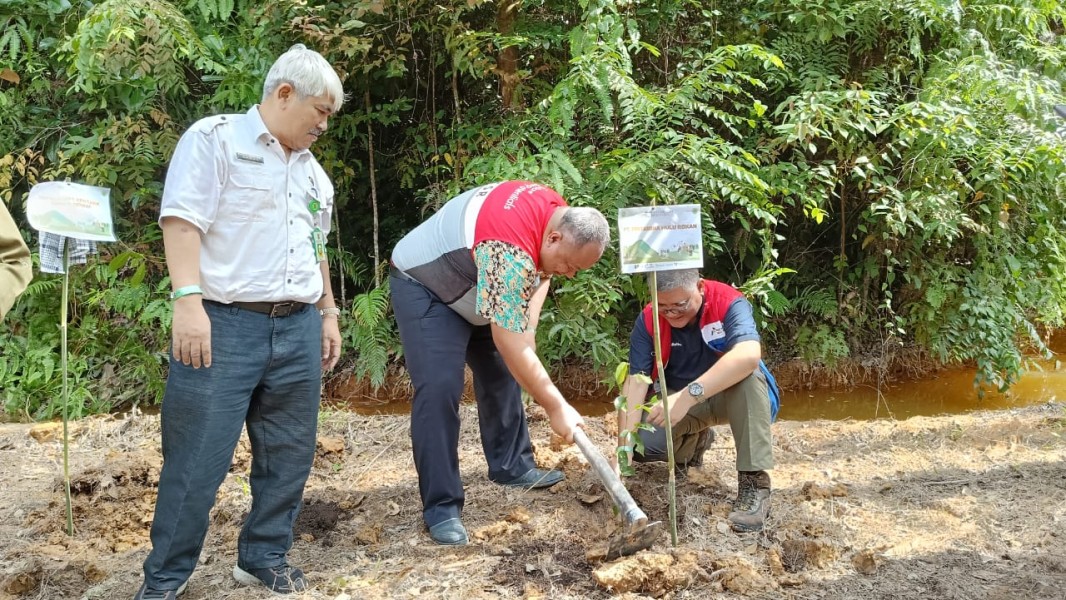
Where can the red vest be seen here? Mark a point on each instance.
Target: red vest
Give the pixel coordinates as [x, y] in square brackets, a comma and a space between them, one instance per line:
[717, 297]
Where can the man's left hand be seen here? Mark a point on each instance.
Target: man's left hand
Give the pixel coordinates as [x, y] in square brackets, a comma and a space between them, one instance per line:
[680, 403]
[331, 342]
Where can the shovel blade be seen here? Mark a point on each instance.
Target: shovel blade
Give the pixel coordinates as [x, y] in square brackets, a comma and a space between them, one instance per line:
[635, 538]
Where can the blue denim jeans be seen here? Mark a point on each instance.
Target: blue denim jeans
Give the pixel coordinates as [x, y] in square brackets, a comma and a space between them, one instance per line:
[265, 374]
[437, 342]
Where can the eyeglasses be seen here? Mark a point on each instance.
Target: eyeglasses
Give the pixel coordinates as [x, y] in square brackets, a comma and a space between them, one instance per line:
[678, 308]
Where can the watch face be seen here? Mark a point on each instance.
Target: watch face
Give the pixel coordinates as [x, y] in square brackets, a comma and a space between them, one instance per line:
[695, 389]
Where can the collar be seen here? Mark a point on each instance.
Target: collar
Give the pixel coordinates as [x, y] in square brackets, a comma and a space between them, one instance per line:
[255, 128]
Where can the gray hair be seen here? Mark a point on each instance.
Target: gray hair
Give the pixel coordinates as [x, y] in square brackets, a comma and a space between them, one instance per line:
[586, 225]
[677, 279]
[308, 73]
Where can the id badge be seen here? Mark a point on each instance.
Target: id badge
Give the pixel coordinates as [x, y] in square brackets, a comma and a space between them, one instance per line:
[318, 242]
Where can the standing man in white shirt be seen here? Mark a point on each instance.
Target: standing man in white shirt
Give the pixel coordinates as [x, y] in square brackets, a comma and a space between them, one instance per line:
[246, 209]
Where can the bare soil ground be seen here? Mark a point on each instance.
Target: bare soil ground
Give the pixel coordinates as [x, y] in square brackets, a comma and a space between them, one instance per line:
[967, 507]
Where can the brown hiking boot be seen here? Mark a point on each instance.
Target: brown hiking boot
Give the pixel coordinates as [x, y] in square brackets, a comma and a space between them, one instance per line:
[752, 505]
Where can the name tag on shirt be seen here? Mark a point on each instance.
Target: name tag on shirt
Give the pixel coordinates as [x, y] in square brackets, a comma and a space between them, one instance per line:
[250, 158]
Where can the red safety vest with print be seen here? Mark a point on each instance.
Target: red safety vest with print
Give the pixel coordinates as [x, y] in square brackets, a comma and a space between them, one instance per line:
[717, 298]
[439, 252]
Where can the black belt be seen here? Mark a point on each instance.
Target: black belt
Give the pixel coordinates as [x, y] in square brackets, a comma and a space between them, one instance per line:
[274, 309]
[397, 273]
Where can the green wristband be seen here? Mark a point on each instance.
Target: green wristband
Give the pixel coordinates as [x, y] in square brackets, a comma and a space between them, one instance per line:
[187, 290]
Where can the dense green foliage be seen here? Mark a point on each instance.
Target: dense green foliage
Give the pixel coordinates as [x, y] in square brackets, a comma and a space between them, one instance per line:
[871, 171]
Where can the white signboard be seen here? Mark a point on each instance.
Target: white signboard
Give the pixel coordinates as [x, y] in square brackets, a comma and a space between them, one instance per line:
[660, 238]
[72, 210]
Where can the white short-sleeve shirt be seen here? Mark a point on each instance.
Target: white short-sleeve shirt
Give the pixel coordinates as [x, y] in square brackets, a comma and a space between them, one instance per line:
[256, 209]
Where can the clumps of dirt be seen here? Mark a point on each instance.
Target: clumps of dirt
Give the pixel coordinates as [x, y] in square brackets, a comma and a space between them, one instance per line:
[652, 573]
[932, 507]
[660, 573]
[559, 458]
[706, 478]
[22, 578]
[813, 491]
[43, 578]
[544, 563]
[736, 574]
[513, 523]
[138, 469]
[112, 501]
[370, 534]
[51, 432]
[318, 520]
[330, 451]
[866, 562]
[797, 555]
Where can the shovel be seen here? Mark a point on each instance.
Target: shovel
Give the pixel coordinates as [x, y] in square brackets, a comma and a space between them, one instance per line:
[638, 533]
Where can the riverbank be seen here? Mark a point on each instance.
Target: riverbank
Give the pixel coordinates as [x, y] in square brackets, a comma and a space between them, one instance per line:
[908, 385]
[966, 506]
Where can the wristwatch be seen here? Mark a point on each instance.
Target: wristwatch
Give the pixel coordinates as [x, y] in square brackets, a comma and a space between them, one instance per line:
[695, 389]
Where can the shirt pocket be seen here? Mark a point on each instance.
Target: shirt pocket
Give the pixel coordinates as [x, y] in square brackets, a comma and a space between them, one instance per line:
[249, 197]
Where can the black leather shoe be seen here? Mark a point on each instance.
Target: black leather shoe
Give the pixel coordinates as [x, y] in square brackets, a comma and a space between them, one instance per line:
[449, 533]
[535, 479]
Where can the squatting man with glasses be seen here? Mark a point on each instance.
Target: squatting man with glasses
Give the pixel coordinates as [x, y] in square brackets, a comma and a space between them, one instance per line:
[712, 358]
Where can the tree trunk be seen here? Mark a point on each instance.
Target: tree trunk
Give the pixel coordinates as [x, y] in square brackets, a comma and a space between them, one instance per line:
[507, 61]
[373, 187]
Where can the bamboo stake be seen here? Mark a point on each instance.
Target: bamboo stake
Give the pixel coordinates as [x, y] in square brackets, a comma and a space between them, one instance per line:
[66, 391]
[664, 397]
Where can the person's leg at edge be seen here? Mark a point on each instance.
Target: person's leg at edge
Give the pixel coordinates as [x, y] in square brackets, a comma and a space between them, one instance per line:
[282, 424]
[202, 416]
[501, 416]
[434, 339]
[747, 408]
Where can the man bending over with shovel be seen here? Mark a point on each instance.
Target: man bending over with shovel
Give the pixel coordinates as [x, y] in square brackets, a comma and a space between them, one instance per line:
[467, 288]
[714, 373]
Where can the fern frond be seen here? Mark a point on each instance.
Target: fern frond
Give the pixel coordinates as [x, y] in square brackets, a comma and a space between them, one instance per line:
[40, 287]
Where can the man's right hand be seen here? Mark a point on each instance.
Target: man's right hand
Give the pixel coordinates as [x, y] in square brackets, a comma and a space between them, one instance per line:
[563, 420]
[191, 332]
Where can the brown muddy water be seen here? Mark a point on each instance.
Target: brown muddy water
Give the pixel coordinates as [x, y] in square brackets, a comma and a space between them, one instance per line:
[951, 391]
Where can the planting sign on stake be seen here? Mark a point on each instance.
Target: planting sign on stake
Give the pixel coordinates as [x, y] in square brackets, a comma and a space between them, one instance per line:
[652, 239]
[62, 210]
[660, 238]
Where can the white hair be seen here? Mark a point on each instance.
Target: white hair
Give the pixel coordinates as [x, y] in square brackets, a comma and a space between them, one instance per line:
[586, 225]
[676, 279]
[308, 73]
